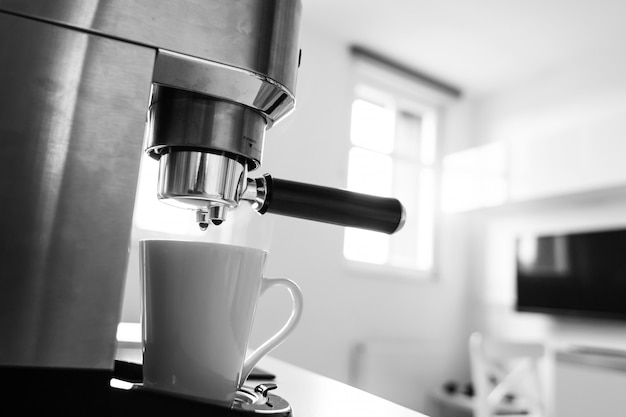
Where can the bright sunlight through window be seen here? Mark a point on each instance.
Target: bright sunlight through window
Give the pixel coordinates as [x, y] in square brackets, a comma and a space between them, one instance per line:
[393, 154]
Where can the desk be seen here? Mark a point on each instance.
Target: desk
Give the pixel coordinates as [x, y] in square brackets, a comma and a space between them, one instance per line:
[313, 395]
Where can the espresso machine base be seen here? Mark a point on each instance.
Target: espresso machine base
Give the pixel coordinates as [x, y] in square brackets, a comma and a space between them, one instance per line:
[72, 392]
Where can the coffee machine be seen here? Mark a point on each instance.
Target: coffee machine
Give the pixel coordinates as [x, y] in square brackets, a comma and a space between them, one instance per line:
[83, 82]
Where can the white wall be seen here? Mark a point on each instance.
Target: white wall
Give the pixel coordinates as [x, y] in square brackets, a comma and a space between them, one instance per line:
[566, 134]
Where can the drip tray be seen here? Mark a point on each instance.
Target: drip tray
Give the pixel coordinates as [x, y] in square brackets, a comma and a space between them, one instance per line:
[258, 400]
[249, 400]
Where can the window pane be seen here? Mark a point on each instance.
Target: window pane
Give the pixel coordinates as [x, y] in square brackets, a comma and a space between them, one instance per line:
[369, 172]
[413, 246]
[428, 145]
[394, 154]
[366, 246]
[408, 136]
[404, 242]
[426, 220]
[372, 126]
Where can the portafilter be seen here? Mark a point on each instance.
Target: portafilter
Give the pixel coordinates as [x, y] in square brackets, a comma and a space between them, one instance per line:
[206, 146]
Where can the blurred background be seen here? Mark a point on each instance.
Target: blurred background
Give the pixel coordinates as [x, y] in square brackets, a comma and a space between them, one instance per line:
[489, 119]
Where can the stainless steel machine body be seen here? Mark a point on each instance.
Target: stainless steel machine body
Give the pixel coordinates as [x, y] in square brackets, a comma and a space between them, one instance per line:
[78, 77]
[82, 81]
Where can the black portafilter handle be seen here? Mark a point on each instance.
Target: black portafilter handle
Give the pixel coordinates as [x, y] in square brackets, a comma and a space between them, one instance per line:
[332, 205]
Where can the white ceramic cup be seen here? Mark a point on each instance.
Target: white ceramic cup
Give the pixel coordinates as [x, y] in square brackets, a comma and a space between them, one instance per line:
[198, 305]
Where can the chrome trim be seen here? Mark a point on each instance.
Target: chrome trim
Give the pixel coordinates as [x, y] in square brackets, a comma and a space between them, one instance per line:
[199, 180]
[261, 36]
[255, 192]
[222, 81]
[181, 119]
[402, 219]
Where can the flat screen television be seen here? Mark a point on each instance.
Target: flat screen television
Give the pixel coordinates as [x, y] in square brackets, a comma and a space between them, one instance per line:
[581, 274]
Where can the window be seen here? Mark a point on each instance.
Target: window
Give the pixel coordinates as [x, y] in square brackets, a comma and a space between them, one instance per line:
[393, 153]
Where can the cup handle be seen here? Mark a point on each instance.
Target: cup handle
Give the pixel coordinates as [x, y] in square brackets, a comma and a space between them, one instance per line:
[272, 342]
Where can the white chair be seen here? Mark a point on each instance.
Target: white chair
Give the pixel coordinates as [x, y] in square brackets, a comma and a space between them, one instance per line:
[509, 378]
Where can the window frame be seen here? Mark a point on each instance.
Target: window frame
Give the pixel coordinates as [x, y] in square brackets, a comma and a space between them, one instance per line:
[379, 82]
